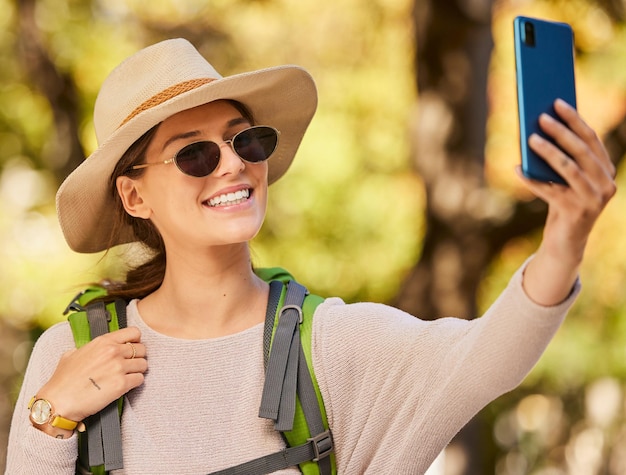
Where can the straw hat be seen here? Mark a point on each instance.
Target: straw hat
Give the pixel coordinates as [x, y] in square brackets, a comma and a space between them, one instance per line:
[149, 87]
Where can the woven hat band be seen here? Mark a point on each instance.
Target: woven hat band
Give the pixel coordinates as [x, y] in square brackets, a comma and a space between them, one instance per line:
[166, 94]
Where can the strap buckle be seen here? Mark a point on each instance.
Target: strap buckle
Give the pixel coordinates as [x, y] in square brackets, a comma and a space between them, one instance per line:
[322, 445]
[292, 307]
[74, 305]
[80, 470]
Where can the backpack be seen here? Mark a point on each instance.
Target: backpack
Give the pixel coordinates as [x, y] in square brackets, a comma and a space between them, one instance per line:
[291, 396]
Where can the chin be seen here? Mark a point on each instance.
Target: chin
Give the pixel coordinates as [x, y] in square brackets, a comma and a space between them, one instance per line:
[239, 234]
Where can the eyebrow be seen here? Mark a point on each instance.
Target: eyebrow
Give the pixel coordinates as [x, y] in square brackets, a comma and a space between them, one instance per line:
[196, 133]
[174, 138]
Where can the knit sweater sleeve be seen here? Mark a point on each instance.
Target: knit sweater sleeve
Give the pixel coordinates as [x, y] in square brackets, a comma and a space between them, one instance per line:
[397, 388]
[30, 451]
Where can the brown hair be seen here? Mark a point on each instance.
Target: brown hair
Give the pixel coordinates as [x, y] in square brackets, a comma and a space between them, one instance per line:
[147, 277]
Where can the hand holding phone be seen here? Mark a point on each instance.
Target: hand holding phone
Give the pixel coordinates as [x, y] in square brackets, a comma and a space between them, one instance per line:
[544, 63]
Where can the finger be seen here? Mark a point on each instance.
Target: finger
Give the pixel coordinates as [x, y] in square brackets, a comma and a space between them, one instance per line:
[134, 350]
[136, 365]
[591, 173]
[126, 334]
[567, 168]
[548, 192]
[571, 145]
[133, 380]
[570, 116]
[585, 134]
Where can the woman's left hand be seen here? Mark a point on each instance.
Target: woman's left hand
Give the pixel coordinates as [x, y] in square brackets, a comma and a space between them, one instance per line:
[583, 162]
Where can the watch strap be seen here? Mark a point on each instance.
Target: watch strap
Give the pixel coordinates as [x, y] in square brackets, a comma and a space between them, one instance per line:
[31, 402]
[62, 422]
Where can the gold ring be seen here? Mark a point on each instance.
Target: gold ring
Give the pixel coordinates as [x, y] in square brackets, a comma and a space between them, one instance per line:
[134, 350]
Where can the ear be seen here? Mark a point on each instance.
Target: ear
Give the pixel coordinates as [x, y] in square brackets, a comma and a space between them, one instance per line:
[132, 200]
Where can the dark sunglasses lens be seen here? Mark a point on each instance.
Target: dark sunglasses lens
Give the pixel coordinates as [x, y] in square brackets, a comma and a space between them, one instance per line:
[256, 144]
[198, 159]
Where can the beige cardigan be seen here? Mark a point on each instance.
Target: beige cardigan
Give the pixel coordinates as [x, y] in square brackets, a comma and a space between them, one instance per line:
[396, 389]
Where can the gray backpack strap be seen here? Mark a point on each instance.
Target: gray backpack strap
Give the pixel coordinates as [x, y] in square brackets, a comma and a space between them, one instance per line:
[322, 441]
[276, 290]
[286, 373]
[278, 401]
[104, 433]
[289, 457]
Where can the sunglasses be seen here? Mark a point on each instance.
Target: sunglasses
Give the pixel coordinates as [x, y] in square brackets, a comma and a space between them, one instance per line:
[200, 159]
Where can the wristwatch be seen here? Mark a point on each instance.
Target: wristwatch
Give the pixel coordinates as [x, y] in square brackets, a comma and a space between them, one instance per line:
[42, 412]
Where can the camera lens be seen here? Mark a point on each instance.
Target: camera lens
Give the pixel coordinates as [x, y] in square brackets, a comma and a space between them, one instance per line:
[529, 34]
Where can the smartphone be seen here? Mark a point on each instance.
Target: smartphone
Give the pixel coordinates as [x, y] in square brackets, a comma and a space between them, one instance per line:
[544, 66]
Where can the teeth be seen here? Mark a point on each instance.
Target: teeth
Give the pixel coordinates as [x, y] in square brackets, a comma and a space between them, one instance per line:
[230, 198]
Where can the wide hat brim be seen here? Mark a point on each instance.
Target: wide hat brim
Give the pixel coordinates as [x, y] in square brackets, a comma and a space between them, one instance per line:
[284, 97]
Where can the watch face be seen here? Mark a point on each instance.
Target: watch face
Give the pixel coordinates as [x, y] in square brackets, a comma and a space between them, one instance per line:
[41, 411]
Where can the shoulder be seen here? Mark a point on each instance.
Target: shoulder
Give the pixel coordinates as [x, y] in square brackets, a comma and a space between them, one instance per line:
[59, 334]
[360, 325]
[335, 307]
[369, 316]
[47, 351]
[54, 341]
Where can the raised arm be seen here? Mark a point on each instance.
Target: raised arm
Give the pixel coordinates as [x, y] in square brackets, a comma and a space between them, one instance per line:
[572, 210]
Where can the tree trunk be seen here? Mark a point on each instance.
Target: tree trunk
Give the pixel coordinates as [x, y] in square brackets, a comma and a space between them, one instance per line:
[466, 224]
[66, 151]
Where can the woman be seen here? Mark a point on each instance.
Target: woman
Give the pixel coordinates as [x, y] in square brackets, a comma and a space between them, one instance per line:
[396, 389]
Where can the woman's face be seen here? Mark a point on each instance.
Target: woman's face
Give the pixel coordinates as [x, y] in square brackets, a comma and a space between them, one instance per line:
[226, 207]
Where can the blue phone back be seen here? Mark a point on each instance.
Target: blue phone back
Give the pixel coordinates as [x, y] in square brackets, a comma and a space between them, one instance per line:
[545, 72]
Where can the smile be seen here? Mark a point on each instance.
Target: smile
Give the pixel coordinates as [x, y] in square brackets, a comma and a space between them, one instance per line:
[230, 199]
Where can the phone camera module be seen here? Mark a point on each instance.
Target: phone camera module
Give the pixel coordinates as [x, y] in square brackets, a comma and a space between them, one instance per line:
[529, 34]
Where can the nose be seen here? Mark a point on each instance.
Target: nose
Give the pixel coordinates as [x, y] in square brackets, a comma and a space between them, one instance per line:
[230, 162]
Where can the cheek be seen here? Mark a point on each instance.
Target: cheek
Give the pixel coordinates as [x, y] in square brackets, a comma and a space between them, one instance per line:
[170, 198]
[171, 216]
[262, 190]
[260, 172]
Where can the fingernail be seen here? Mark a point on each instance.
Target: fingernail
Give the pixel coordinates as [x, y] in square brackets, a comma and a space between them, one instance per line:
[536, 139]
[562, 103]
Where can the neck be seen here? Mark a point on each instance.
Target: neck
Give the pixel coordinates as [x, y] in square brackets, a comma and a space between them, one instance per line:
[207, 296]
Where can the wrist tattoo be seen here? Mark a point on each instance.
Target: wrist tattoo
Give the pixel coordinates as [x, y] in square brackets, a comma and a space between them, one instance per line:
[94, 383]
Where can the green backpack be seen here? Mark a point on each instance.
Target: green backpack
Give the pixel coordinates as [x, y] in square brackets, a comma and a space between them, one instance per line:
[291, 396]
